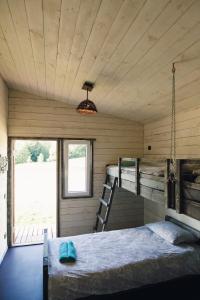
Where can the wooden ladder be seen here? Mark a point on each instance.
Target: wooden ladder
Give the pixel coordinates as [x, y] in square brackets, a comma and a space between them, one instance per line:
[103, 220]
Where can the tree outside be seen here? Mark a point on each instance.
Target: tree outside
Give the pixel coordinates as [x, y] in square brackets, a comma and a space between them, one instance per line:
[77, 151]
[33, 151]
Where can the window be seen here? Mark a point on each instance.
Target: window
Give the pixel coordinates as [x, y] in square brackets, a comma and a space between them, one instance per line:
[77, 168]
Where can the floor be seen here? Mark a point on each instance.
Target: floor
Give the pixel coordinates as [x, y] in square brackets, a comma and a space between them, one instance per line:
[21, 274]
[32, 233]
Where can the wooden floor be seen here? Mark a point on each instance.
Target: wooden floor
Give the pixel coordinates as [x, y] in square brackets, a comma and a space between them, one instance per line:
[32, 233]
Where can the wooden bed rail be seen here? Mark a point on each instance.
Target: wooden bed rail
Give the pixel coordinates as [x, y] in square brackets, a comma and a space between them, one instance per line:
[137, 172]
[153, 186]
[45, 266]
[187, 189]
[184, 226]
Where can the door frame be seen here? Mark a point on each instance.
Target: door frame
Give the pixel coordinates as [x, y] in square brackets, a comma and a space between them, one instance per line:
[10, 187]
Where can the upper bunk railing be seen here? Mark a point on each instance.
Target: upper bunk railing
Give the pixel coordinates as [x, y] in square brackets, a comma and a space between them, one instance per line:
[144, 178]
[181, 195]
[122, 161]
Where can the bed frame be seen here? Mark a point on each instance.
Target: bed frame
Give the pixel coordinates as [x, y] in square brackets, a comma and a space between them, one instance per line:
[154, 188]
[125, 180]
[183, 286]
[188, 192]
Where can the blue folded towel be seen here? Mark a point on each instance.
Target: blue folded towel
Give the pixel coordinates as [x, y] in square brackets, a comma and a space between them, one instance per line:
[67, 252]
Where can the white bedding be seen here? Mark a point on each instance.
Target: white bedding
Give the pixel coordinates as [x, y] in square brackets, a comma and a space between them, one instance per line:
[113, 261]
[145, 169]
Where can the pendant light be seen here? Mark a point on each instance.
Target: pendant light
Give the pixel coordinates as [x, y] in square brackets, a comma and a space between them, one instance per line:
[87, 107]
[172, 171]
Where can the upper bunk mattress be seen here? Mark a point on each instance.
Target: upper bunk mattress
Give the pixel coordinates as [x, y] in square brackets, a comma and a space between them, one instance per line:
[112, 170]
[113, 261]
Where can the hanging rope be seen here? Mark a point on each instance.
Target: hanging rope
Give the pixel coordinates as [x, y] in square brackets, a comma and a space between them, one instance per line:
[172, 174]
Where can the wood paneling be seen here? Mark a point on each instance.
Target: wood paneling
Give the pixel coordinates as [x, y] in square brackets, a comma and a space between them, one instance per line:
[3, 176]
[49, 48]
[157, 135]
[31, 116]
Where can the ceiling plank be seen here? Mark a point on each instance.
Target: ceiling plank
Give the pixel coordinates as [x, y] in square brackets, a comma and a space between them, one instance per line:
[108, 78]
[19, 17]
[9, 32]
[34, 10]
[159, 86]
[51, 14]
[86, 18]
[165, 51]
[68, 19]
[178, 46]
[138, 57]
[7, 66]
[49, 48]
[112, 22]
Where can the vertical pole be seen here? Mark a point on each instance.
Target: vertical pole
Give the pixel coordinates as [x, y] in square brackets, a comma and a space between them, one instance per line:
[178, 193]
[119, 172]
[137, 176]
[45, 266]
[167, 183]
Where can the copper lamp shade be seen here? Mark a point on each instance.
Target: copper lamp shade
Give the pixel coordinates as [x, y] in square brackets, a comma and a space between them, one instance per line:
[87, 107]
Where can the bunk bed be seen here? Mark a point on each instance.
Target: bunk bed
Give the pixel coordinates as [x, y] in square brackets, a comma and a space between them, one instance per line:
[152, 179]
[127, 173]
[149, 179]
[142, 177]
[146, 178]
[188, 196]
[121, 270]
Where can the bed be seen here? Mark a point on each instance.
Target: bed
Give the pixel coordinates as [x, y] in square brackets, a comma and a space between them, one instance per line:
[188, 200]
[153, 179]
[142, 177]
[127, 172]
[119, 263]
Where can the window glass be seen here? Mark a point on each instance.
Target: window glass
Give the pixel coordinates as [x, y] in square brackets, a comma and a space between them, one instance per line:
[77, 168]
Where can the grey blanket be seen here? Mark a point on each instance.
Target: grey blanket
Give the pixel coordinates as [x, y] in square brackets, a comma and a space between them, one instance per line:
[118, 260]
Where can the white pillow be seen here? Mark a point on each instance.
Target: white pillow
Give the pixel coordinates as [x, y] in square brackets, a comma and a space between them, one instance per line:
[172, 232]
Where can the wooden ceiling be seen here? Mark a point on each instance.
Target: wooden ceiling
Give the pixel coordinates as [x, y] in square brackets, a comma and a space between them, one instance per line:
[126, 47]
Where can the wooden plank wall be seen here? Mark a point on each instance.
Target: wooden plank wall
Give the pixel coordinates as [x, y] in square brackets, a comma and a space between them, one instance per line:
[157, 135]
[3, 177]
[31, 116]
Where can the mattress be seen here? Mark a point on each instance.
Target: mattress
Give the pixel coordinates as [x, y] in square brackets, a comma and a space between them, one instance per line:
[129, 172]
[119, 260]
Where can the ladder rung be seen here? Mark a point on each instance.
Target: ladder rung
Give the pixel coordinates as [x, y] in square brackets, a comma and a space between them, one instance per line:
[101, 219]
[103, 202]
[107, 186]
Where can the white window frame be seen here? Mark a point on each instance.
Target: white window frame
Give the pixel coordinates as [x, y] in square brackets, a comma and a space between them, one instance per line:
[89, 169]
